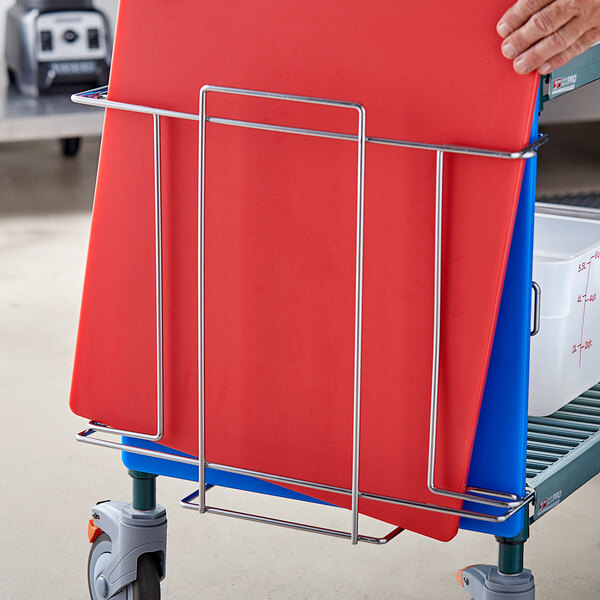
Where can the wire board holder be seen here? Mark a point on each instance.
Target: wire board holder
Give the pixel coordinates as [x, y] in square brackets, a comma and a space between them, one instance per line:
[509, 503]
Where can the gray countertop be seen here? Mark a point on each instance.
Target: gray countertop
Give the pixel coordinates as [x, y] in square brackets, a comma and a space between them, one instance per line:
[54, 116]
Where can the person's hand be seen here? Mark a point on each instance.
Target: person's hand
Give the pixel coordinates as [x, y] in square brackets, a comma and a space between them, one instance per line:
[542, 35]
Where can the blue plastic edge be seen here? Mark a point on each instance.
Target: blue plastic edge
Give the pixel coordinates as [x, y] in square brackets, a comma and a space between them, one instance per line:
[500, 450]
[169, 468]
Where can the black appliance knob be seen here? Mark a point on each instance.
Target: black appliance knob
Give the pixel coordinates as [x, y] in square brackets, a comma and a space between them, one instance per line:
[70, 36]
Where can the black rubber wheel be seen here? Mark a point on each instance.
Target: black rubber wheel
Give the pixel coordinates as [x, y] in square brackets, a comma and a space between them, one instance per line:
[147, 584]
[70, 146]
[145, 587]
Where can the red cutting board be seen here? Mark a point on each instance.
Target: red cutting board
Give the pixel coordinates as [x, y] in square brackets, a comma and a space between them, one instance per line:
[280, 237]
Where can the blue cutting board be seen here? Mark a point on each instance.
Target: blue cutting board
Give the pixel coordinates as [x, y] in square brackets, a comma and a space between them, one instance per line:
[500, 449]
[178, 470]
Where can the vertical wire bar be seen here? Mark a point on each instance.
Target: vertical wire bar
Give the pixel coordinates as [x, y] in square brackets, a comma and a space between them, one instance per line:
[437, 287]
[435, 368]
[158, 279]
[201, 420]
[358, 320]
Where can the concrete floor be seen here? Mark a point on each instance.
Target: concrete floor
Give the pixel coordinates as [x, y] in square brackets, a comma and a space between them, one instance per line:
[49, 483]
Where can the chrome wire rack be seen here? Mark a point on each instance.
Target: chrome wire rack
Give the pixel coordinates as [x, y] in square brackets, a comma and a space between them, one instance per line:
[509, 504]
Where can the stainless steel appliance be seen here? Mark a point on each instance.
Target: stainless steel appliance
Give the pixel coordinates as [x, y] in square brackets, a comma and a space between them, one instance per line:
[57, 46]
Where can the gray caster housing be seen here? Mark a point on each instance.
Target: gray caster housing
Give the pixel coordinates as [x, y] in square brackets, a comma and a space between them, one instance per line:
[509, 580]
[484, 582]
[128, 555]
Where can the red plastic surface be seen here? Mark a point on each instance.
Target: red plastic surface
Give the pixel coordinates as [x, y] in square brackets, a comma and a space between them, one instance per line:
[280, 237]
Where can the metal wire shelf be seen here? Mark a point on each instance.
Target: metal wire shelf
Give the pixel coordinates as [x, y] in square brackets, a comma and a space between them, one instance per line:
[563, 450]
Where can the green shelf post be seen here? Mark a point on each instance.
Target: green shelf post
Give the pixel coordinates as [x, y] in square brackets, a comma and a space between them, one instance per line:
[511, 550]
[144, 490]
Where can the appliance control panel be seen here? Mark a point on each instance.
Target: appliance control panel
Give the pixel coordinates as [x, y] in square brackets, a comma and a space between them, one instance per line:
[70, 35]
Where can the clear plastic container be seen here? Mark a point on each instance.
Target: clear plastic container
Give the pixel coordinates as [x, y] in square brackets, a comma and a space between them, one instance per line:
[565, 354]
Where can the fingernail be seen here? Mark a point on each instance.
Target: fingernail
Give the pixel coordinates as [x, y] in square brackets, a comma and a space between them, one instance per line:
[545, 69]
[508, 50]
[521, 66]
[503, 29]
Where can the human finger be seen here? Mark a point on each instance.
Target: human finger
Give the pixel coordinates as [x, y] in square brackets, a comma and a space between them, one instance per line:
[558, 42]
[581, 45]
[540, 25]
[518, 14]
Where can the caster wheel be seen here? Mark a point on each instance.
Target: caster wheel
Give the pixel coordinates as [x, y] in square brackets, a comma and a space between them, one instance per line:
[147, 584]
[145, 587]
[70, 146]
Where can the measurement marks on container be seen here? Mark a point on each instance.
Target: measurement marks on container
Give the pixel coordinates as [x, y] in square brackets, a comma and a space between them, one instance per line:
[579, 347]
[585, 298]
